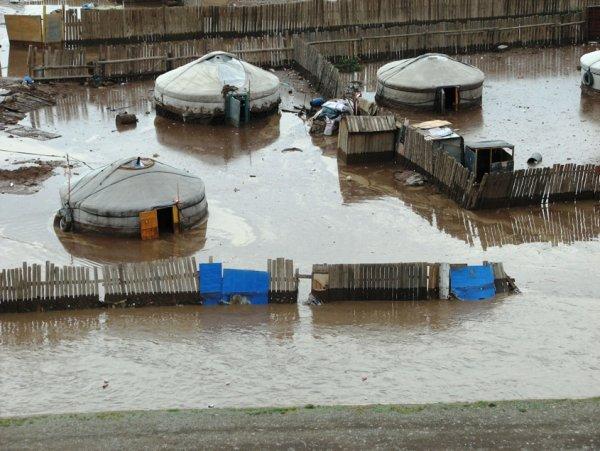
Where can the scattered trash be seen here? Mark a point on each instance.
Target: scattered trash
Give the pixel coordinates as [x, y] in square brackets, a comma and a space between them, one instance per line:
[155, 155]
[312, 300]
[28, 81]
[364, 378]
[409, 178]
[534, 159]
[105, 384]
[30, 132]
[502, 47]
[415, 180]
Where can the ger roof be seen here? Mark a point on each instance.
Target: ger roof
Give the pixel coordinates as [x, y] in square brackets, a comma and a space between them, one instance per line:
[429, 72]
[206, 77]
[124, 189]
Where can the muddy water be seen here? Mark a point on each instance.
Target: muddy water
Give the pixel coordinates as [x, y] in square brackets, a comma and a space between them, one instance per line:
[307, 206]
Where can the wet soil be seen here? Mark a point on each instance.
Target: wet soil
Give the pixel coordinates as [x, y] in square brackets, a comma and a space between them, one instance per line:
[265, 202]
[513, 424]
[27, 178]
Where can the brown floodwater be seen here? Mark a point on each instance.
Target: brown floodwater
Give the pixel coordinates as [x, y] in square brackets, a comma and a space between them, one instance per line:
[306, 205]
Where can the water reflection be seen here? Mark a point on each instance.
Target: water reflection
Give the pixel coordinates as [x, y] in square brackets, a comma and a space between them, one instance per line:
[556, 224]
[217, 143]
[410, 316]
[110, 249]
[162, 325]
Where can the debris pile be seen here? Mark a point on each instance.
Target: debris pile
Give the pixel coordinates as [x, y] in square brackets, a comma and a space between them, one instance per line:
[17, 98]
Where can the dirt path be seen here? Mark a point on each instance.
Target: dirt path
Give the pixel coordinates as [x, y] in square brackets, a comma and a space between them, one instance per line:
[509, 424]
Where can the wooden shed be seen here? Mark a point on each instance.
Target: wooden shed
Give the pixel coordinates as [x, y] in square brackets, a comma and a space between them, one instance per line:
[367, 138]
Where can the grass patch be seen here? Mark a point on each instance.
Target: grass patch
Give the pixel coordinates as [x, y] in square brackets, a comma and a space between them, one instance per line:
[6, 422]
[348, 65]
[109, 415]
[272, 411]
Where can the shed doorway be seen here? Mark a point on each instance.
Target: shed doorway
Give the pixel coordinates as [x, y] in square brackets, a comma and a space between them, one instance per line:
[166, 224]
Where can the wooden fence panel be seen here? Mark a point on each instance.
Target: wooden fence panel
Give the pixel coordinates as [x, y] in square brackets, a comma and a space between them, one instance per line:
[39, 288]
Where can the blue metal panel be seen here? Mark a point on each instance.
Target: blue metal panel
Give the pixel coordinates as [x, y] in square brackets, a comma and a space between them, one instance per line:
[211, 282]
[472, 283]
[254, 285]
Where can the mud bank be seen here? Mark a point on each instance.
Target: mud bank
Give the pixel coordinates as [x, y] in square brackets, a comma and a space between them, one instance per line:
[540, 424]
[27, 177]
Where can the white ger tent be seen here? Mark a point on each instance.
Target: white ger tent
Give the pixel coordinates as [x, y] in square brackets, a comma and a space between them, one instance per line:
[427, 80]
[590, 70]
[110, 199]
[196, 90]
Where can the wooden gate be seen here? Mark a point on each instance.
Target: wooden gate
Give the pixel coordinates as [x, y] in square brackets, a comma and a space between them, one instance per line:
[593, 24]
[149, 225]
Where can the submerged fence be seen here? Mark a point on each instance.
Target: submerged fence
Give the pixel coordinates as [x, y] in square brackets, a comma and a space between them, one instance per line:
[148, 24]
[393, 282]
[174, 281]
[522, 187]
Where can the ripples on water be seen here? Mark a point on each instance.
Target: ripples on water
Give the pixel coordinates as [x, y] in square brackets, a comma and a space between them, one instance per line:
[287, 355]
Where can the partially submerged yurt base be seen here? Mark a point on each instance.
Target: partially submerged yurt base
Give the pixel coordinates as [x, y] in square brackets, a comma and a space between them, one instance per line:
[133, 197]
[432, 81]
[217, 86]
[590, 72]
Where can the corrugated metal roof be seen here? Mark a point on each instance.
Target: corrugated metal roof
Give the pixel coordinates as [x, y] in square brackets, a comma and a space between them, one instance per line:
[370, 124]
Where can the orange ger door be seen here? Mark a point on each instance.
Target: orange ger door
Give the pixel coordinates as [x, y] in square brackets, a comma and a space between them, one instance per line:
[149, 225]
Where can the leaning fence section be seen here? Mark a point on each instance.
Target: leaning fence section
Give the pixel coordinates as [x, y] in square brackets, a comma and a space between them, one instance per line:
[313, 65]
[34, 287]
[568, 182]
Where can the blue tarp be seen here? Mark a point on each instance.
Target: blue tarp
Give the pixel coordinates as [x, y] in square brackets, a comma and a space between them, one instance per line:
[211, 282]
[254, 285]
[473, 283]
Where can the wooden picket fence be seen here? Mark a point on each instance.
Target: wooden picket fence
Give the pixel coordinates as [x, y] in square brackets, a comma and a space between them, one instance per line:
[312, 51]
[448, 37]
[314, 66]
[173, 281]
[153, 24]
[33, 287]
[560, 183]
[283, 281]
[390, 281]
[163, 282]
[535, 186]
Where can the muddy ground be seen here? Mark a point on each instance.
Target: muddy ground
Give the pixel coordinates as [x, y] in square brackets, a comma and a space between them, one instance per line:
[266, 202]
[25, 176]
[484, 425]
